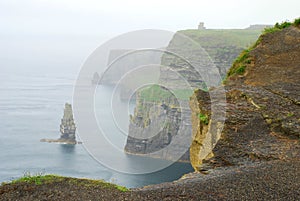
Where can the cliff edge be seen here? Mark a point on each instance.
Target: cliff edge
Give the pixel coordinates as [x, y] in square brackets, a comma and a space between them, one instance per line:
[263, 105]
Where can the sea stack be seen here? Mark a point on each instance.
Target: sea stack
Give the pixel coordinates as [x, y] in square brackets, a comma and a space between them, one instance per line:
[67, 126]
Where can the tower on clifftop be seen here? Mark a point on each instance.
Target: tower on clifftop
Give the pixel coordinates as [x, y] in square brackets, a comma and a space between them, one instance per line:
[201, 26]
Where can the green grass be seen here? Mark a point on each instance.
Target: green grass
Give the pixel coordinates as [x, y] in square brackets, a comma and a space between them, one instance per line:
[239, 65]
[297, 22]
[241, 38]
[37, 179]
[241, 69]
[280, 26]
[122, 188]
[40, 179]
[203, 118]
[156, 93]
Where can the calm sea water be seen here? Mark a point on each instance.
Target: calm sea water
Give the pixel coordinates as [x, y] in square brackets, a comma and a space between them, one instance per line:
[31, 106]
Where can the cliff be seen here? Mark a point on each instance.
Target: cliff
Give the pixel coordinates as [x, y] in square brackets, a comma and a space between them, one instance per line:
[157, 108]
[263, 105]
[156, 123]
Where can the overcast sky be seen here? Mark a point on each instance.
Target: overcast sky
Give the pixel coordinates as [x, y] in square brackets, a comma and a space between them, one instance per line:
[48, 34]
[107, 17]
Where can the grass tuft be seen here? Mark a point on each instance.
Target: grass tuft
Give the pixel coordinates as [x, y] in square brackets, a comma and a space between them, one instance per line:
[297, 22]
[203, 118]
[239, 65]
[122, 188]
[37, 179]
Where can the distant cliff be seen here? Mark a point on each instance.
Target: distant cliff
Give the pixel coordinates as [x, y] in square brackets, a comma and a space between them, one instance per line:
[263, 104]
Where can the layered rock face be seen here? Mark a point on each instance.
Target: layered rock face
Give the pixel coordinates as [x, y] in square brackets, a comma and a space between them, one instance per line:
[222, 46]
[154, 130]
[263, 106]
[158, 124]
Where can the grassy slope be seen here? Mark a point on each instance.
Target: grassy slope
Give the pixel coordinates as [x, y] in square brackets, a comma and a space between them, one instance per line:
[47, 179]
[240, 64]
[241, 38]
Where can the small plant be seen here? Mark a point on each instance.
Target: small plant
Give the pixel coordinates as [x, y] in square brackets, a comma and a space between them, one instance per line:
[240, 70]
[243, 56]
[297, 22]
[283, 25]
[248, 61]
[122, 188]
[203, 118]
[290, 114]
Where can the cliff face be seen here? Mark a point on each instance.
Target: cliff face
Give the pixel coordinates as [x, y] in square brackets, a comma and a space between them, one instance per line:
[152, 129]
[263, 106]
[155, 124]
[223, 46]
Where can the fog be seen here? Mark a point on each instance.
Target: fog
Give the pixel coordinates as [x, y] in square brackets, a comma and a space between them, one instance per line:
[44, 34]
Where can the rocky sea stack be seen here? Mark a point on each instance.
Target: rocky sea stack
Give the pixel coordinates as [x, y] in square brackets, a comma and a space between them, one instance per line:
[67, 128]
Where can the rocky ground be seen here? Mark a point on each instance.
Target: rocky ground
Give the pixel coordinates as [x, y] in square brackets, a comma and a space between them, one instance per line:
[276, 180]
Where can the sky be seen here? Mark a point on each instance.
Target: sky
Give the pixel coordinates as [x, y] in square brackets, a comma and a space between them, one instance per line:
[44, 34]
[106, 17]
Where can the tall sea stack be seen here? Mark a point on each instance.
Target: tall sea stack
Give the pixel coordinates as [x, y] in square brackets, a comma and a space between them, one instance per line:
[67, 126]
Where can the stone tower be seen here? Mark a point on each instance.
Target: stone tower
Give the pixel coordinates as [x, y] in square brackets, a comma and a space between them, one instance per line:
[201, 26]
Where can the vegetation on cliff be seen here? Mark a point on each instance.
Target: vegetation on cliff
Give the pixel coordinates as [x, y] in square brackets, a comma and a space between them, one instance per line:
[156, 93]
[243, 60]
[41, 179]
[283, 25]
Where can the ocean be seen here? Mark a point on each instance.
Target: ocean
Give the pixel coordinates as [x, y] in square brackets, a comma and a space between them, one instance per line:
[31, 107]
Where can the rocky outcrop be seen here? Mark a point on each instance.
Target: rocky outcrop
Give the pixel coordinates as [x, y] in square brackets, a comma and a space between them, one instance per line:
[263, 107]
